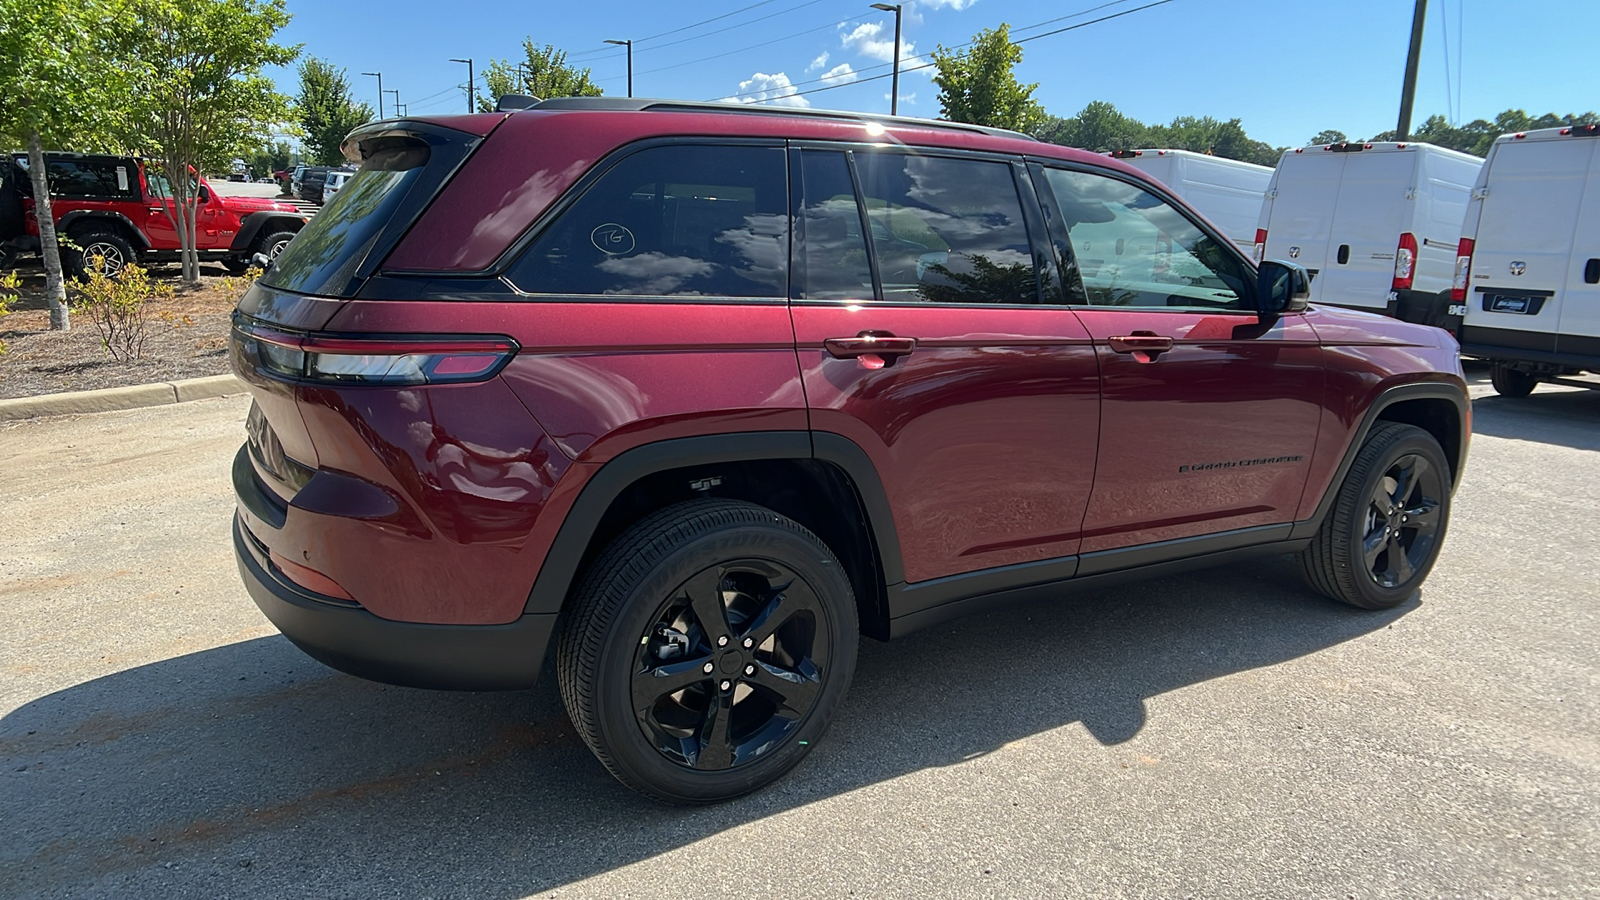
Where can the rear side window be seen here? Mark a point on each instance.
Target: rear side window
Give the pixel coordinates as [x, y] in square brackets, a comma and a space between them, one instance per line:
[834, 254]
[324, 256]
[947, 230]
[672, 221]
[90, 179]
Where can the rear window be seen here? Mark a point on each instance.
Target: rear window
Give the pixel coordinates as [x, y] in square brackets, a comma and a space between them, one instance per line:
[92, 179]
[324, 257]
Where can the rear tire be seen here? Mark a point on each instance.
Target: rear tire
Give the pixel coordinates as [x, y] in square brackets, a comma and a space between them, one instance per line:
[707, 649]
[111, 248]
[1388, 521]
[1509, 382]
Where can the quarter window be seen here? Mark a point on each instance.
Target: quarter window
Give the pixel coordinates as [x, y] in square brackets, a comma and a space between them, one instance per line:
[678, 221]
[947, 230]
[1134, 249]
[835, 250]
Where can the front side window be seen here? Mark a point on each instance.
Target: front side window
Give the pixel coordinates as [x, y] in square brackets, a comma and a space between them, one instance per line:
[947, 230]
[673, 221]
[1134, 249]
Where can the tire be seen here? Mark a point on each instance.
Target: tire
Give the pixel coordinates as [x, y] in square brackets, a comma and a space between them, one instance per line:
[1396, 497]
[272, 245]
[1509, 382]
[112, 248]
[788, 615]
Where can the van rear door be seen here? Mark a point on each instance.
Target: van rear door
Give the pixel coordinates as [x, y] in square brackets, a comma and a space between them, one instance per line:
[1520, 261]
[1367, 221]
[1302, 211]
[1580, 303]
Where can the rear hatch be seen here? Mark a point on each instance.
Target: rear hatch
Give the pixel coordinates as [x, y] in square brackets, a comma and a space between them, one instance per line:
[1371, 212]
[1301, 222]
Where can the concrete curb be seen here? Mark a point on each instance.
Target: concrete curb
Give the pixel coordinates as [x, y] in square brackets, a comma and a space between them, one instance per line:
[132, 397]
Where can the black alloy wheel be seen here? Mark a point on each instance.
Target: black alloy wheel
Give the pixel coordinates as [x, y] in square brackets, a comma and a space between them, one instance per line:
[731, 665]
[1402, 521]
[707, 649]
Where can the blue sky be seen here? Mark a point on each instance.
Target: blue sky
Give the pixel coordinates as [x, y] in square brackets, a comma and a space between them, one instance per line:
[1287, 68]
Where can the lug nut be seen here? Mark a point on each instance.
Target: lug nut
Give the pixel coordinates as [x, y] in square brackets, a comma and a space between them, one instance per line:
[726, 685]
[706, 668]
[749, 642]
[722, 641]
[749, 670]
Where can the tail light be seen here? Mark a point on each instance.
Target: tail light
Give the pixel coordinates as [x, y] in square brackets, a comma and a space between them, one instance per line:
[1405, 262]
[1458, 285]
[375, 359]
[1261, 245]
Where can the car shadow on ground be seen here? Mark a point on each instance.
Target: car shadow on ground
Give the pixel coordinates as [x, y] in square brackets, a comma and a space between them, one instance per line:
[1549, 415]
[250, 770]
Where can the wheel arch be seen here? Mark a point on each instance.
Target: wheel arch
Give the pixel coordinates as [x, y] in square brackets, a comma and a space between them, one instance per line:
[121, 224]
[825, 482]
[263, 222]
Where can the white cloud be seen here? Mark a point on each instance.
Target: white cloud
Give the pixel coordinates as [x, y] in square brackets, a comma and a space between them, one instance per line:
[875, 40]
[840, 74]
[904, 98]
[819, 62]
[775, 89]
[957, 5]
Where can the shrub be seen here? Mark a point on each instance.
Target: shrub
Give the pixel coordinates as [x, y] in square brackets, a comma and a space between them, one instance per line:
[8, 297]
[234, 288]
[116, 304]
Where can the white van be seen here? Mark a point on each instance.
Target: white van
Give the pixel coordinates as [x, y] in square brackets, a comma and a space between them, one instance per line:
[1373, 222]
[1226, 191]
[1528, 267]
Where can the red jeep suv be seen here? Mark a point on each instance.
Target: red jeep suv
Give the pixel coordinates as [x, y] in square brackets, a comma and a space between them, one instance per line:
[118, 211]
[696, 395]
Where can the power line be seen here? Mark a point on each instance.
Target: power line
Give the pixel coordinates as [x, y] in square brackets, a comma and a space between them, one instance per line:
[696, 37]
[758, 46]
[686, 28]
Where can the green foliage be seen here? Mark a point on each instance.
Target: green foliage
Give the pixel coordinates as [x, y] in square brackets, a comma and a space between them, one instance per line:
[1327, 137]
[53, 77]
[1477, 136]
[9, 282]
[978, 86]
[543, 72]
[326, 110]
[268, 158]
[1101, 127]
[117, 304]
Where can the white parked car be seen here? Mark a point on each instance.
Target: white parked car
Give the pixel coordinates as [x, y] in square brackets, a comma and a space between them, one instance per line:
[1226, 191]
[1375, 223]
[1528, 266]
[337, 178]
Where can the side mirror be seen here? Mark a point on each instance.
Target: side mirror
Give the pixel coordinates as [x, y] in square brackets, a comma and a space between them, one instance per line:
[261, 261]
[1282, 287]
[205, 194]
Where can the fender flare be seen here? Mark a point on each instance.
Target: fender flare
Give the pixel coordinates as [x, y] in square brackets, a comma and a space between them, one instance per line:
[1429, 390]
[252, 225]
[136, 235]
[560, 568]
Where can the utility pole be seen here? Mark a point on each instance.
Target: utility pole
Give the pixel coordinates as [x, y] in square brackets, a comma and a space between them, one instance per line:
[380, 91]
[396, 101]
[472, 87]
[629, 45]
[1409, 92]
[894, 91]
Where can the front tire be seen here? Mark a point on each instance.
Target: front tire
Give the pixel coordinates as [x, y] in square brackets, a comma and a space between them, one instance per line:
[1388, 521]
[1513, 383]
[272, 245]
[707, 649]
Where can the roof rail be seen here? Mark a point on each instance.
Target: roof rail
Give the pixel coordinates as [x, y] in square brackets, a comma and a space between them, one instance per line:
[640, 104]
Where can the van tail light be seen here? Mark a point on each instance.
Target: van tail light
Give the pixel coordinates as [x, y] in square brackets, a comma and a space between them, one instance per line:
[375, 359]
[1458, 285]
[1261, 245]
[1405, 262]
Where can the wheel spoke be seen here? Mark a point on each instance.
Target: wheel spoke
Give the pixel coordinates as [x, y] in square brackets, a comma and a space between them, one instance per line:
[784, 605]
[653, 684]
[1372, 546]
[1423, 514]
[705, 598]
[715, 750]
[1399, 563]
[797, 689]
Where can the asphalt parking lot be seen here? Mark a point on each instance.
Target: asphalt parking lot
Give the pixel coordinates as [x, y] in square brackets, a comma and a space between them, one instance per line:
[1223, 734]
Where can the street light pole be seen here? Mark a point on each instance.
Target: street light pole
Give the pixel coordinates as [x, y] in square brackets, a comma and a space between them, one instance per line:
[629, 45]
[894, 90]
[380, 91]
[396, 100]
[472, 87]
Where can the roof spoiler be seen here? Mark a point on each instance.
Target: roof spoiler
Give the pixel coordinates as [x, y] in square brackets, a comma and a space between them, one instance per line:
[514, 102]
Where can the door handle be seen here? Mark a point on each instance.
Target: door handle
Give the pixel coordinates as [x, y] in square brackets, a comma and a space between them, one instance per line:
[874, 349]
[1591, 271]
[1144, 345]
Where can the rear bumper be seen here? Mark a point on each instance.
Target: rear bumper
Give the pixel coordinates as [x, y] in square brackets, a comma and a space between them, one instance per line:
[348, 638]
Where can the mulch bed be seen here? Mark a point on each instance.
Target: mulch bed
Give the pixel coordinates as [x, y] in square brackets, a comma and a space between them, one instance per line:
[187, 337]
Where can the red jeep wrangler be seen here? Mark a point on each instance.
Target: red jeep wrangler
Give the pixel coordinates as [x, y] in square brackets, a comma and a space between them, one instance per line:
[696, 395]
[116, 210]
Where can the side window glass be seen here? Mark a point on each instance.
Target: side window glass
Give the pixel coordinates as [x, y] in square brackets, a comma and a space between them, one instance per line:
[680, 221]
[947, 230]
[835, 250]
[1134, 249]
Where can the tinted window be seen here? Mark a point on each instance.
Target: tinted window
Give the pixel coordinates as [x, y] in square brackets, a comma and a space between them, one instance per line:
[835, 251]
[671, 221]
[1134, 249]
[105, 179]
[947, 230]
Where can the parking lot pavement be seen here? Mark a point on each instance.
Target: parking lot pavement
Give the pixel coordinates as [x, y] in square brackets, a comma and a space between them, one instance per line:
[1223, 734]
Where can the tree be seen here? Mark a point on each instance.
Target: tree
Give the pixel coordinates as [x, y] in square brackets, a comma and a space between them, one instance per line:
[326, 110]
[53, 89]
[1327, 137]
[203, 99]
[978, 86]
[1098, 127]
[268, 158]
[543, 72]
